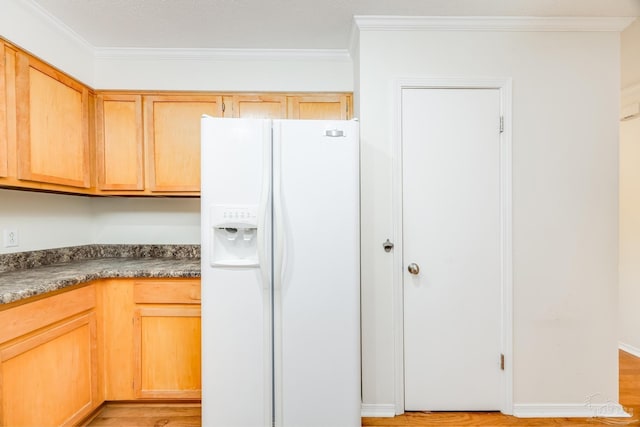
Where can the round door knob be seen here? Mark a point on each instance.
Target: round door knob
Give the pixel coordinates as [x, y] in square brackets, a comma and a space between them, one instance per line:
[413, 268]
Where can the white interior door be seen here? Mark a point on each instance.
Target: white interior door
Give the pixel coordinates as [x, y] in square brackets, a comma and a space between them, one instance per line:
[451, 232]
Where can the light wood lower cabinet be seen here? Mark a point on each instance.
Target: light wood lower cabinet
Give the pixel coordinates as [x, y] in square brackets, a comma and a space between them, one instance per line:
[154, 328]
[167, 352]
[49, 360]
[118, 339]
[166, 339]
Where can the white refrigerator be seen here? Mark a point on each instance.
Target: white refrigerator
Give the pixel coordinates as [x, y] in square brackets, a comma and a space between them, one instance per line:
[280, 273]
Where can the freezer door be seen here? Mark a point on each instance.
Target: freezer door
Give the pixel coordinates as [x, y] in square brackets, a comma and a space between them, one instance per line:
[236, 295]
[316, 273]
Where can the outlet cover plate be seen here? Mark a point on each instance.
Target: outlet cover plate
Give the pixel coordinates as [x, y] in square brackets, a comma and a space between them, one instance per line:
[10, 237]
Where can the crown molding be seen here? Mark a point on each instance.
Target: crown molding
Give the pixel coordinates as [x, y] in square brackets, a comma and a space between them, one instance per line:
[490, 23]
[35, 9]
[214, 54]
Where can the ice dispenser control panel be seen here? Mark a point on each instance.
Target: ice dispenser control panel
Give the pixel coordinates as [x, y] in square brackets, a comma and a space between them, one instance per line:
[234, 236]
[229, 214]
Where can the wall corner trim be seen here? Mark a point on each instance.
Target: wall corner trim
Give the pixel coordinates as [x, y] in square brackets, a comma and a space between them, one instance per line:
[491, 23]
[382, 410]
[569, 410]
[635, 351]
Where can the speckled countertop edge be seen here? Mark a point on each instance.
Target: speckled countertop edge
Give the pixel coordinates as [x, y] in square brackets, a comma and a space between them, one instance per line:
[32, 259]
[16, 285]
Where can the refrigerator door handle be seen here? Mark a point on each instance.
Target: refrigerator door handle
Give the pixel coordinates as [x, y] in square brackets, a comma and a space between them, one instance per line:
[264, 206]
[278, 262]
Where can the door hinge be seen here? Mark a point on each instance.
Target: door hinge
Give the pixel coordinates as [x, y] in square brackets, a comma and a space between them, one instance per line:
[224, 107]
[501, 124]
[502, 362]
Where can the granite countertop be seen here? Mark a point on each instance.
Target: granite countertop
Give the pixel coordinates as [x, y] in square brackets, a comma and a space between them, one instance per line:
[42, 277]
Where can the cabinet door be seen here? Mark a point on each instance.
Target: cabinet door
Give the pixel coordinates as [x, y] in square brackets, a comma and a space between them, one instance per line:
[119, 142]
[4, 144]
[52, 125]
[167, 352]
[319, 107]
[115, 302]
[172, 136]
[259, 106]
[50, 379]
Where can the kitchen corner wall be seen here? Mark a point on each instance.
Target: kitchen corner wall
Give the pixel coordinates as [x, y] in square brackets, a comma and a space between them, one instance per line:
[141, 220]
[45, 221]
[630, 194]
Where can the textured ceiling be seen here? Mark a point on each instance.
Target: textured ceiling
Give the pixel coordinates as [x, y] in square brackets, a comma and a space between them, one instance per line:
[278, 24]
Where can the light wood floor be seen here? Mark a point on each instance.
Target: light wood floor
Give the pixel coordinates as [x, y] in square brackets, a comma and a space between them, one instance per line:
[138, 415]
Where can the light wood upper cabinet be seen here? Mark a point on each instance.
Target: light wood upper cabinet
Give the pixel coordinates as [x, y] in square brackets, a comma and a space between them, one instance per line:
[59, 135]
[52, 125]
[259, 106]
[4, 144]
[48, 361]
[172, 139]
[119, 142]
[319, 107]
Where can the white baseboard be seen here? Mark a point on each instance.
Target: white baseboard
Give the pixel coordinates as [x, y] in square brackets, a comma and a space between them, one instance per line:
[570, 410]
[387, 410]
[629, 349]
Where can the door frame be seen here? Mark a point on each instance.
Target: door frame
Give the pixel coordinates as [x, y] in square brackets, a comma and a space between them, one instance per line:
[504, 86]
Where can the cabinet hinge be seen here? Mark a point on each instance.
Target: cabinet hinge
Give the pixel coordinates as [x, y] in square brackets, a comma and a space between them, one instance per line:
[502, 362]
[501, 124]
[224, 107]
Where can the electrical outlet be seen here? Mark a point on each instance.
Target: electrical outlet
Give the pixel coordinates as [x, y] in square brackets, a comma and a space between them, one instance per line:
[10, 237]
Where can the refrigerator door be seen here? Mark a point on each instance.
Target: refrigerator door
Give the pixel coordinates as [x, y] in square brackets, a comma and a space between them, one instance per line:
[316, 273]
[236, 270]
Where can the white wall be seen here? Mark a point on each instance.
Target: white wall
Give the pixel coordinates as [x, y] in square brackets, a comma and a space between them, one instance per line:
[242, 71]
[630, 235]
[565, 199]
[45, 221]
[630, 194]
[146, 221]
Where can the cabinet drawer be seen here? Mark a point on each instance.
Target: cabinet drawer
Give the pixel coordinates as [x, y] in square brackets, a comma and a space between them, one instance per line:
[27, 318]
[167, 292]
